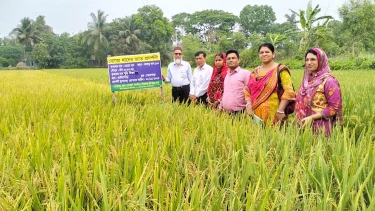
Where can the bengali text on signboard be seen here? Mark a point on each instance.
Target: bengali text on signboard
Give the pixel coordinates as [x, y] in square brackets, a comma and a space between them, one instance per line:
[133, 72]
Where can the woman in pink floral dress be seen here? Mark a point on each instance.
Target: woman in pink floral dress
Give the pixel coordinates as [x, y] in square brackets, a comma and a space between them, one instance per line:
[319, 100]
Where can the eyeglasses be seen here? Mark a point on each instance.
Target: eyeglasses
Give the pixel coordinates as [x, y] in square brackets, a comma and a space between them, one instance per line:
[177, 54]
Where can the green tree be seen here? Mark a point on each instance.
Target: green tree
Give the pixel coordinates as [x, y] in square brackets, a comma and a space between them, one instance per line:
[257, 19]
[358, 21]
[224, 43]
[208, 24]
[156, 31]
[40, 55]
[131, 34]
[342, 39]
[56, 46]
[27, 32]
[12, 53]
[239, 41]
[285, 36]
[249, 57]
[182, 24]
[27, 35]
[190, 45]
[287, 27]
[276, 39]
[95, 36]
[76, 53]
[236, 41]
[291, 18]
[312, 30]
[41, 26]
[5, 62]
[10, 41]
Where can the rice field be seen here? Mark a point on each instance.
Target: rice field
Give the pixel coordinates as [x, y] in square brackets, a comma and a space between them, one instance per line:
[65, 146]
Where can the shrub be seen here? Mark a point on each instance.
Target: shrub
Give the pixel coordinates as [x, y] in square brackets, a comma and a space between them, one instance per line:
[292, 63]
[372, 66]
[352, 63]
[249, 58]
[4, 62]
[210, 59]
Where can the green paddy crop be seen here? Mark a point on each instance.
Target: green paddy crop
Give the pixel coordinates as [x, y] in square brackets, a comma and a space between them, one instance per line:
[65, 146]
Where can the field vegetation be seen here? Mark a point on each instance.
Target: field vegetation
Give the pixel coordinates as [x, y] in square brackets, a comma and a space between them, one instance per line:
[65, 146]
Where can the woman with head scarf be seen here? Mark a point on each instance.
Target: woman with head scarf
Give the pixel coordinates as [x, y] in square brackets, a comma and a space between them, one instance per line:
[319, 100]
[216, 86]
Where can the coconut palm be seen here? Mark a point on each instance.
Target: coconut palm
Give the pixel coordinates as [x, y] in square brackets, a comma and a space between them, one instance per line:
[27, 34]
[130, 32]
[95, 35]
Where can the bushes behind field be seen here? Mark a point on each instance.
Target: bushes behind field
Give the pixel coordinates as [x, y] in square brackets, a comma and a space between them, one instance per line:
[18, 68]
[338, 63]
[4, 62]
[249, 60]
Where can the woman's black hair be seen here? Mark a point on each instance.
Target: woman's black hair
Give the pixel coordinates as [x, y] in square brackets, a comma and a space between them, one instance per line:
[311, 51]
[268, 45]
[220, 54]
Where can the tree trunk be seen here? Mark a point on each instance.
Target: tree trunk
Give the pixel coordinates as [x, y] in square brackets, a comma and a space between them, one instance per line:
[353, 47]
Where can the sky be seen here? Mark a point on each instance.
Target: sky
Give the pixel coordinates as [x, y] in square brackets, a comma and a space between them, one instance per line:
[72, 16]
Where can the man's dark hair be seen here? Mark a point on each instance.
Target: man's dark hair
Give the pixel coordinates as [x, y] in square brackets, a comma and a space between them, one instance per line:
[233, 51]
[199, 53]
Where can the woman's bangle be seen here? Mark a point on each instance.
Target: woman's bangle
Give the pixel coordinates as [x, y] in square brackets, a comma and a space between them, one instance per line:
[280, 112]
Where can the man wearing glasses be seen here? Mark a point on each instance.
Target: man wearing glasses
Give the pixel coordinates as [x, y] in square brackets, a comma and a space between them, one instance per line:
[179, 74]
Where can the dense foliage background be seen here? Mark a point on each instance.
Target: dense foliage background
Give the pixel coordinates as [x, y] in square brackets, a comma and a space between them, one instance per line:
[349, 41]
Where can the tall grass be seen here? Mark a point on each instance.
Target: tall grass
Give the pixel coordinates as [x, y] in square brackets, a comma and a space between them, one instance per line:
[64, 146]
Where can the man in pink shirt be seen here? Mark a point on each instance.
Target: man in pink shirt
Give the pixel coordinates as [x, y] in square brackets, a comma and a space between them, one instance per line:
[233, 100]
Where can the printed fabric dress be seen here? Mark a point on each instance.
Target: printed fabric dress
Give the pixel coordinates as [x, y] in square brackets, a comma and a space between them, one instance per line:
[320, 93]
[327, 101]
[216, 87]
[262, 91]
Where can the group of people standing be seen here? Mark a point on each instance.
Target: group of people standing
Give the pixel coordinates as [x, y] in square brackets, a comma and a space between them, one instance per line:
[266, 93]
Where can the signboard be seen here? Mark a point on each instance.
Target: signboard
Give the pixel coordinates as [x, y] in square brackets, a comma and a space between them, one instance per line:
[133, 72]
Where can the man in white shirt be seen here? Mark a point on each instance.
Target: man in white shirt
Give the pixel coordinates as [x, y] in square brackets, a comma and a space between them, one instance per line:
[179, 74]
[201, 79]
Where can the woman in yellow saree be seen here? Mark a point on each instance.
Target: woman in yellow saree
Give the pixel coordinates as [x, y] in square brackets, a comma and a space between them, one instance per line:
[261, 92]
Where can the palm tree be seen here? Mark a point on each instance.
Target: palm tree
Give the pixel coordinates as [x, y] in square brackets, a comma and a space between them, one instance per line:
[27, 34]
[95, 35]
[131, 34]
[311, 34]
